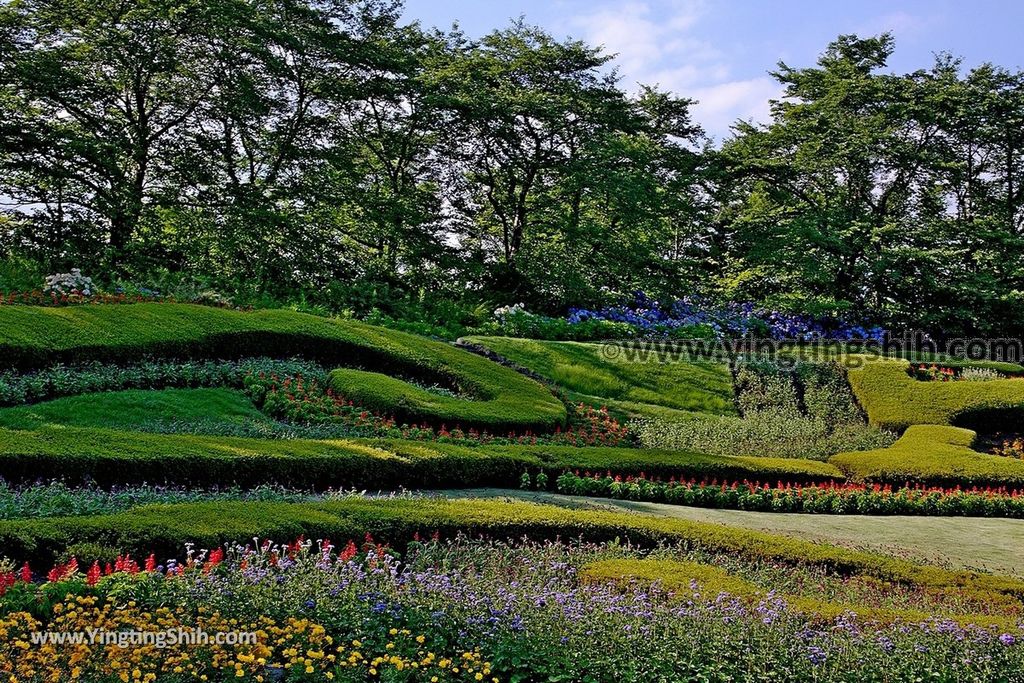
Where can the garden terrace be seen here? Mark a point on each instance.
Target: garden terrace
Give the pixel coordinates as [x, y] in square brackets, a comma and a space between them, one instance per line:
[112, 457]
[502, 400]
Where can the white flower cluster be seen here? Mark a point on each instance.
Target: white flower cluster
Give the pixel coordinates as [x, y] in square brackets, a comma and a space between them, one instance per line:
[505, 311]
[69, 283]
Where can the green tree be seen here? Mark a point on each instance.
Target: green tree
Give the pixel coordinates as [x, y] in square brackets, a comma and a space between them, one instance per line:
[99, 98]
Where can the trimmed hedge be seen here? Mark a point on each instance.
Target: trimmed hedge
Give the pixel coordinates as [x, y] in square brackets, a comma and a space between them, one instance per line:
[895, 400]
[676, 576]
[164, 529]
[504, 400]
[935, 455]
[111, 457]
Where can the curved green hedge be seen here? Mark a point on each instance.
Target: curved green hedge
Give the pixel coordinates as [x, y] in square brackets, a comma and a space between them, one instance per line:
[936, 455]
[895, 400]
[32, 337]
[111, 457]
[163, 529]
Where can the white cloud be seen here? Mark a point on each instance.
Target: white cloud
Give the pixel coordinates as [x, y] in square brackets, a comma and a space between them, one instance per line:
[720, 105]
[658, 43]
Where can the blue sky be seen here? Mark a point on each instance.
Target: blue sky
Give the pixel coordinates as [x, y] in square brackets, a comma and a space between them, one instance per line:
[720, 52]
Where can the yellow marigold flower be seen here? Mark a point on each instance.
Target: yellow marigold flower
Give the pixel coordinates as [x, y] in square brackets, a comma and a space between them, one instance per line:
[479, 677]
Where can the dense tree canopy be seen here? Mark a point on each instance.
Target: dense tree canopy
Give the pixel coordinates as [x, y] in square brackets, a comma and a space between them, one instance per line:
[324, 149]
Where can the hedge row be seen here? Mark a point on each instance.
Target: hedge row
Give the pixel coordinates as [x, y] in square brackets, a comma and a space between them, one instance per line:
[676, 576]
[504, 400]
[163, 529]
[895, 400]
[111, 457]
[935, 455]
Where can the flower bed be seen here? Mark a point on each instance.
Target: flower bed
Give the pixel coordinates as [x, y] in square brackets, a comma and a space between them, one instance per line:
[308, 401]
[454, 611]
[691, 317]
[827, 498]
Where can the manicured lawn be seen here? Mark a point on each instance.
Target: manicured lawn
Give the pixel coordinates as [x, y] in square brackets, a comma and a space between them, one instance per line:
[992, 544]
[128, 409]
[633, 388]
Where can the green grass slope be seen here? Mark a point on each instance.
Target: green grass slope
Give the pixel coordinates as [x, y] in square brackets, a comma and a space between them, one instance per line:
[128, 409]
[502, 398]
[936, 455]
[895, 400]
[633, 388]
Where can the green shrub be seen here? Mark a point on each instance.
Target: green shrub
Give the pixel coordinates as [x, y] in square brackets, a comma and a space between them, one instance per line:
[163, 529]
[32, 337]
[770, 433]
[111, 457]
[895, 400]
[766, 387]
[934, 455]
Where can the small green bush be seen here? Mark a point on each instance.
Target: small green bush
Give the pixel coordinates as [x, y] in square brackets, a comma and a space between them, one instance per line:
[34, 337]
[935, 455]
[895, 400]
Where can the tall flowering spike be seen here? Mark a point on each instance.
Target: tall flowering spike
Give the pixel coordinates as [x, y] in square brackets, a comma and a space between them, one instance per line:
[92, 577]
[26, 573]
[151, 563]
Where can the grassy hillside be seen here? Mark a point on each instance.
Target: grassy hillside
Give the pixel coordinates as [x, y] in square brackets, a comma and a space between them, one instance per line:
[632, 388]
[128, 409]
[501, 399]
[895, 400]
